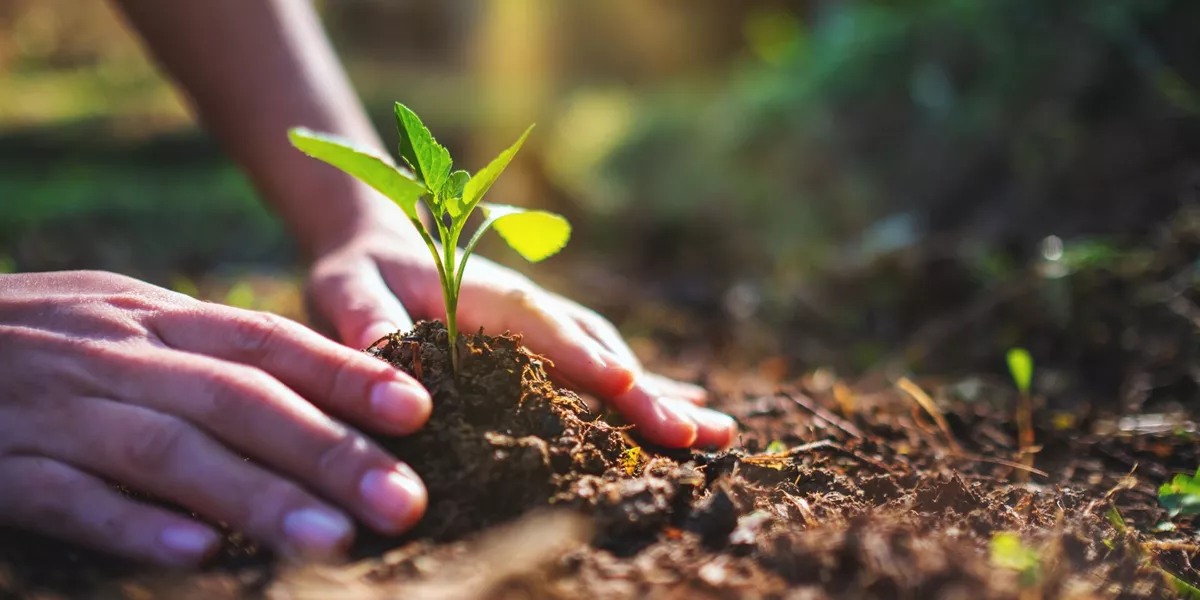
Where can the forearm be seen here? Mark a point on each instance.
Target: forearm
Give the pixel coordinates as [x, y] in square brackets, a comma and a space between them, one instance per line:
[252, 70]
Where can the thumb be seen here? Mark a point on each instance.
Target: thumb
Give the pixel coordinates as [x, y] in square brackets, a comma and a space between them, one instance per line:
[357, 303]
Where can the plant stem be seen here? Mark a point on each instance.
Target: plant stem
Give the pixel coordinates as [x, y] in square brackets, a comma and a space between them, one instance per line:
[1025, 432]
[449, 289]
[451, 295]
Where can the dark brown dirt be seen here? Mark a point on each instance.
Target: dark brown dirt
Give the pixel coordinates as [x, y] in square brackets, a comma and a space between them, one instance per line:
[862, 496]
[502, 438]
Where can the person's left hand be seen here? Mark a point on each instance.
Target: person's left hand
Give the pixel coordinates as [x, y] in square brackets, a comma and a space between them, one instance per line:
[368, 286]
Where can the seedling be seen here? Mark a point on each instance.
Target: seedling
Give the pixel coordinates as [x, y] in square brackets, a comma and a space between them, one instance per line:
[1020, 366]
[1181, 496]
[450, 196]
[1007, 551]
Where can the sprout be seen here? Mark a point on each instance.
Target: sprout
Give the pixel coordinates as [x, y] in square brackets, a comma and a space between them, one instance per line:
[1020, 366]
[451, 197]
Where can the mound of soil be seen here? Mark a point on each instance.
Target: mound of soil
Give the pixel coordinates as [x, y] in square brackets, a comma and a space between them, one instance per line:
[502, 439]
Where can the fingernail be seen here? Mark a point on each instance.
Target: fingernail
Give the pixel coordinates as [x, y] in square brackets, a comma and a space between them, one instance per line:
[317, 532]
[405, 406]
[396, 496]
[374, 332]
[187, 544]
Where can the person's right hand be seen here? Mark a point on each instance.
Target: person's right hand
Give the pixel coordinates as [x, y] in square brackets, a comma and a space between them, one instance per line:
[226, 412]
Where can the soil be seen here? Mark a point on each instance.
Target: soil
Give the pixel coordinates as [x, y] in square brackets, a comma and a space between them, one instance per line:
[836, 489]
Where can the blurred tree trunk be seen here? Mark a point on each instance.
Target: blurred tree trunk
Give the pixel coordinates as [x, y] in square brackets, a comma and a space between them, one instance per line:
[513, 63]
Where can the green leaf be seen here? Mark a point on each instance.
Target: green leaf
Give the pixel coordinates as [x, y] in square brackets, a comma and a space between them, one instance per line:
[418, 147]
[453, 192]
[1008, 552]
[483, 180]
[776, 447]
[1115, 518]
[1020, 366]
[370, 168]
[1181, 496]
[535, 234]
[1182, 587]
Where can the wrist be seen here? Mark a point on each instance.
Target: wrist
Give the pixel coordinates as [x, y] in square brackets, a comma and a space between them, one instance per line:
[354, 214]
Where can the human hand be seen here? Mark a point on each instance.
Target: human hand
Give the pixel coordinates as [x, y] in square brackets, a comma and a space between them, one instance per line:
[368, 286]
[106, 378]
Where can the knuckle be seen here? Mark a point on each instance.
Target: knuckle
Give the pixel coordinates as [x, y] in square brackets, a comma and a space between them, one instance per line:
[358, 309]
[46, 504]
[152, 444]
[353, 377]
[228, 390]
[41, 491]
[118, 347]
[328, 272]
[37, 485]
[131, 301]
[110, 280]
[254, 334]
[264, 510]
[597, 321]
[522, 297]
[347, 455]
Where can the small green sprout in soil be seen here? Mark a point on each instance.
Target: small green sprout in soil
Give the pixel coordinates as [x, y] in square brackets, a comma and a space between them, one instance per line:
[1020, 366]
[1118, 523]
[1115, 519]
[1182, 587]
[450, 196]
[1007, 551]
[1181, 496]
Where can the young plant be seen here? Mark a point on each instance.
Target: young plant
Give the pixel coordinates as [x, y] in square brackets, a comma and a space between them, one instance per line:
[1181, 496]
[1020, 366]
[451, 197]
[1007, 551]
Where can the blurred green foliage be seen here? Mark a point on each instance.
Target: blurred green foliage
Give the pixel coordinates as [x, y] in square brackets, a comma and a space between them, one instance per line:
[1007, 551]
[1181, 495]
[123, 216]
[878, 122]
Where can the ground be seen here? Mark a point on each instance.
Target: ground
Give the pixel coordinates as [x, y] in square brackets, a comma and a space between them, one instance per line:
[884, 484]
[835, 490]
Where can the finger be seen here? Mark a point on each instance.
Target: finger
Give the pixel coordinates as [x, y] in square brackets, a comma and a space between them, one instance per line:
[604, 332]
[575, 354]
[258, 416]
[170, 459]
[52, 498]
[359, 303]
[671, 388]
[342, 381]
[713, 429]
[665, 424]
